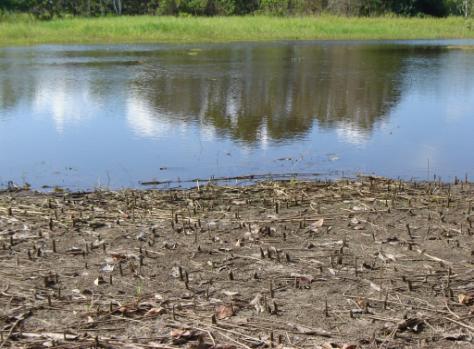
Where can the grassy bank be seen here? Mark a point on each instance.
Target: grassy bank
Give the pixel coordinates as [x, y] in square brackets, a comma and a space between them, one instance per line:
[147, 29]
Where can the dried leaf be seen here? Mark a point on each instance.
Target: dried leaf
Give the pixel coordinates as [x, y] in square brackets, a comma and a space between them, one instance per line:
[99, 281]
[224, 311]
[361, 302]
[374, 286]
[155, 312]
[328, 345]
[74, 250]
[303, 279]
[466, 299]
[359, 208]
[179, 333]
[257, 303]
[316, 225]
[311, 331]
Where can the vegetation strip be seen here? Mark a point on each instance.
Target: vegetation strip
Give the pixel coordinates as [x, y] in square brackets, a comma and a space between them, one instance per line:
[21, 30]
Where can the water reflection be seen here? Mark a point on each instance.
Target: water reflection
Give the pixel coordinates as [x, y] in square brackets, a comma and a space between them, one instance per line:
[265, 97]
[239, 91]
[281, 90]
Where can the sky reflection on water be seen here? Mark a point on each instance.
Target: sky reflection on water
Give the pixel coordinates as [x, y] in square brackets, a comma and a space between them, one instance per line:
[85, 116]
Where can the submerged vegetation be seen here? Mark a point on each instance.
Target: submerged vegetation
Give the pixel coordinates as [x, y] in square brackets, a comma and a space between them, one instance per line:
[23, 29]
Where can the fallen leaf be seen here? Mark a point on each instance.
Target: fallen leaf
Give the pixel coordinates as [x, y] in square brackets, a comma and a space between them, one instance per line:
[74, 250]
[375, 286]
[99, 281]
[316, 225]
[257, 303]
[309, 330]
[302, 280]
[349, 346]
[466, 299]
[224, 311]
[361, 302]
[230, 293]
[359, 208]
[178, 333]
[155, 312]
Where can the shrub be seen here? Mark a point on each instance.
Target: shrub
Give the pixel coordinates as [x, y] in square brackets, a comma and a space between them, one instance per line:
[167, 7]
[274, 7]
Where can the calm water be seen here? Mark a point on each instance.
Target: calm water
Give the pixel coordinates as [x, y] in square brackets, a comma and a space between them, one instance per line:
[86, 116]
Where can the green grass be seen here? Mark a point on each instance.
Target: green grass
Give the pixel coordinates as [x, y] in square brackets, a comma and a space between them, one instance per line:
[148, 29]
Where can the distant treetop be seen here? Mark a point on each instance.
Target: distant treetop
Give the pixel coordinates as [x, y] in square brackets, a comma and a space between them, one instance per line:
[46, 9]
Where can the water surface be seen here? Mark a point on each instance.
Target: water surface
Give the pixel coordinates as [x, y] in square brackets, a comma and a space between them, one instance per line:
[87, 116]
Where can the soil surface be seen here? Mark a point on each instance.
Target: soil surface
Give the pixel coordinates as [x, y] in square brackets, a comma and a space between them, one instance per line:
[364, 263]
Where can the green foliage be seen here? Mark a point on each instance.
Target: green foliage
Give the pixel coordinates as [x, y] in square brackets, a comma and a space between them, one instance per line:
[198, 7]
[371, 7]
[291, 7]
[48, 9]
[167, 7]
[223, 7]
[275, 7]
[152, 29]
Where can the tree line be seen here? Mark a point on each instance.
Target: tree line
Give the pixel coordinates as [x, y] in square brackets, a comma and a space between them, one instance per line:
[46, 9]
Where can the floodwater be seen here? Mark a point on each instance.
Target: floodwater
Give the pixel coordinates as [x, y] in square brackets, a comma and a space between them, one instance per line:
[113, 116]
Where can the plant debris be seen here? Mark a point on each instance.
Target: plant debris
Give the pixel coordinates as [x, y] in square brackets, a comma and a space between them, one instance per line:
[367, 262]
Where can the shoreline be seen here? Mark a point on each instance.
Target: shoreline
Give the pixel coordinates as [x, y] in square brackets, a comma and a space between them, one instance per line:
[189, 30]
[239, 181]
[356, 262]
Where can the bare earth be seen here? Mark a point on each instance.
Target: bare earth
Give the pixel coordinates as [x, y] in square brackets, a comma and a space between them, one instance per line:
[365, 263]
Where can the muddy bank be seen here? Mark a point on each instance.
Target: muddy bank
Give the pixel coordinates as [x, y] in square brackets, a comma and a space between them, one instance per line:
[370, 263]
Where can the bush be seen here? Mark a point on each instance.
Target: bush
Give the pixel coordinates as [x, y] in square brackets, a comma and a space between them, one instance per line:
[46, 9]
[167, 7]
[274, 7]
[223, 7]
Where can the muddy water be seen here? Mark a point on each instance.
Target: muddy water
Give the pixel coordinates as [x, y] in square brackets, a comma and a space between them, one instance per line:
[86, 116]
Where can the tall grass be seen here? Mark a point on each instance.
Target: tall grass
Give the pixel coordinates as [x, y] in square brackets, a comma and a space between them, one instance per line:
[147, 29]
